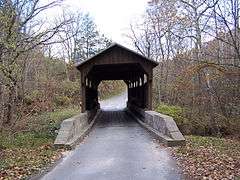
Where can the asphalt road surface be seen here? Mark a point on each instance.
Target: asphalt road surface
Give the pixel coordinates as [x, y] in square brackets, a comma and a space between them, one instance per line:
[115, 102]
[117, 148]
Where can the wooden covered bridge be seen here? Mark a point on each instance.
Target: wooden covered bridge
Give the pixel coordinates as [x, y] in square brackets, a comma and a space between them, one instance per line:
[117, 63]
[117, 146]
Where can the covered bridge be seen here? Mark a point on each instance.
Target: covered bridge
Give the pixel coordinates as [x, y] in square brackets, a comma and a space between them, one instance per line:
[117, 63]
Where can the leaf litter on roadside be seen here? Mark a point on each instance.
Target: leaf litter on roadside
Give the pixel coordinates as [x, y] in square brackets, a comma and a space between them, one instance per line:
[206, 158]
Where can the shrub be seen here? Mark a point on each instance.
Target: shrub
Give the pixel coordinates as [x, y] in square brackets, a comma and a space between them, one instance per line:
[229, 126]
[61, 100]
[53, 120]
[178, 114]
[175, 111]
[32, 97]
[200, 123]
[69, 88]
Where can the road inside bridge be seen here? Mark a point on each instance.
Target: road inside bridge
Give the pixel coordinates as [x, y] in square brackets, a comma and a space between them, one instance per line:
[116, 149]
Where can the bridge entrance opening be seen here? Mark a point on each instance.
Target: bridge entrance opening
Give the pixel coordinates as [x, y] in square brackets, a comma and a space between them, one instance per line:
[117, 63]
[112, 95]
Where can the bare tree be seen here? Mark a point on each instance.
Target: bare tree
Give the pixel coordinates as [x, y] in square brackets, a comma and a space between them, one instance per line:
[226, 18]
[21, 31]
[197, 45]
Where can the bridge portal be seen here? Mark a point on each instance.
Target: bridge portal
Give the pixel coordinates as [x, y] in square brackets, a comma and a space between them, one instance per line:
[117, 63]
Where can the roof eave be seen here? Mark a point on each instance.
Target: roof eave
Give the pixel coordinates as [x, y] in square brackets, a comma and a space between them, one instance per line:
[78, 65]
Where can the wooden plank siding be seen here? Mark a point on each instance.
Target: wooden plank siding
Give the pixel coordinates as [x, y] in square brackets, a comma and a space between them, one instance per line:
[117, 63]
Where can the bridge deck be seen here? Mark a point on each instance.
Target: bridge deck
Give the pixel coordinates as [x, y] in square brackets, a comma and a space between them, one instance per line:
[116, 149]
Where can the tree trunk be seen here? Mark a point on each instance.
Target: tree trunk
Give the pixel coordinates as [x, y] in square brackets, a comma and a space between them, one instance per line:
[9, 106]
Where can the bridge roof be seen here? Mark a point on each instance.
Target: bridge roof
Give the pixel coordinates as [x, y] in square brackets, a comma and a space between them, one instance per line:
[118, 46]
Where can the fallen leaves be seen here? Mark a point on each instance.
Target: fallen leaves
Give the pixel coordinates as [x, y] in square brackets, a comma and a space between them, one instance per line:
[207, 159]
[20, 163]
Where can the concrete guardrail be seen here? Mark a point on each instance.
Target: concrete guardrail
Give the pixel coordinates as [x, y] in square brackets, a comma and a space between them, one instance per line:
[74, 129]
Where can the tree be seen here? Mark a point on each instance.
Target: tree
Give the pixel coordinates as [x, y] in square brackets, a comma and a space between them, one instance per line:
[89, 41]
[226, 19]
[156, 37]
[20, 33]
[197, 45]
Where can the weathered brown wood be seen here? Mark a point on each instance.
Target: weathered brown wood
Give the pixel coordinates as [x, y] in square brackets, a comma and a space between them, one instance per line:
[83, 93]
[149, 92]
[117, 63]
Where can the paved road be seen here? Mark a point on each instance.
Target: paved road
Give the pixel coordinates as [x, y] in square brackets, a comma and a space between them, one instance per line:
[115, 102]
[116, 149]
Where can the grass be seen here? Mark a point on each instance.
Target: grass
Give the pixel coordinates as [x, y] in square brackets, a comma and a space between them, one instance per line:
[24, 153]
[222, 145]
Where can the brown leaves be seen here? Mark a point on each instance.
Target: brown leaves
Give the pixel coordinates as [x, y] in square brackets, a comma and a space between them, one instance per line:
[206, 161]
[22, 162]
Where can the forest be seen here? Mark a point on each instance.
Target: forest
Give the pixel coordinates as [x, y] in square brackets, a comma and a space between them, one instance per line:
[197, 45]
[197, 81]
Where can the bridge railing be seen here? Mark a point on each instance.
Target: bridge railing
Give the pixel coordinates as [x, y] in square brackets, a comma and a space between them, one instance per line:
[162, 126]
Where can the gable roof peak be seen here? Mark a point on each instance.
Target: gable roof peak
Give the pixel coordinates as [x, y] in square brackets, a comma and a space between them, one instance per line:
[114, 44]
